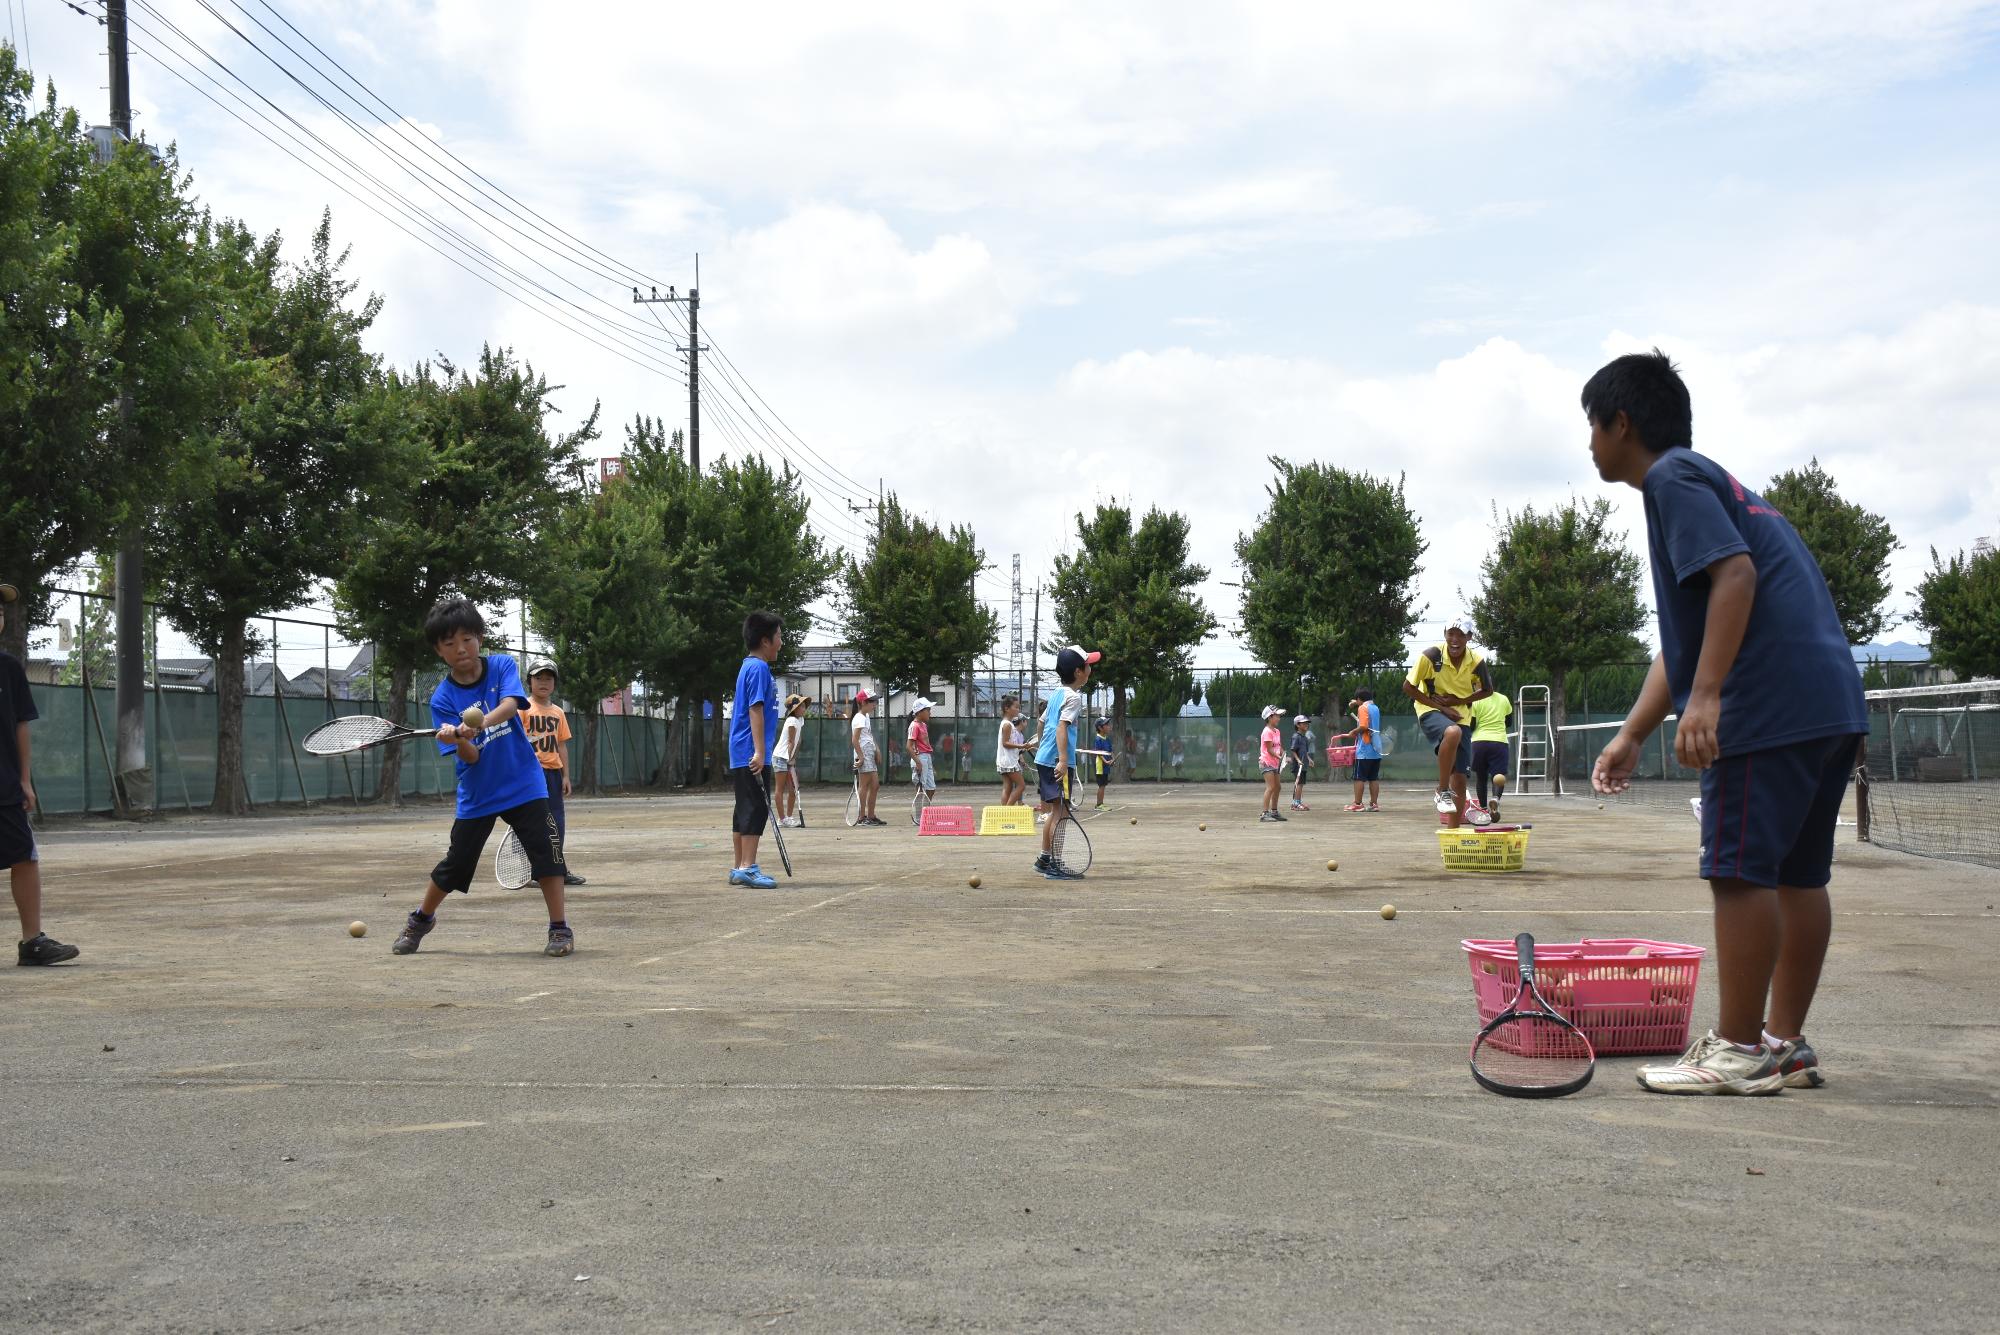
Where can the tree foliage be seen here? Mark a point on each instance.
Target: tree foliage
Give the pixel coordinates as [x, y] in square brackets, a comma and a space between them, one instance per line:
[292, 448]
[1958, 602]
[1131, 593]
[478, 475]
[1329, 574]
[732, 538]
[1851, 543]
[912, 614]
[102, 292]
[1559, 590]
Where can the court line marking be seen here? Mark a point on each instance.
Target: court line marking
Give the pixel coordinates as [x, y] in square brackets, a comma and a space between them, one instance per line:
[1637, 1098]
[793, 913]
[153, 866]
[1402, 912]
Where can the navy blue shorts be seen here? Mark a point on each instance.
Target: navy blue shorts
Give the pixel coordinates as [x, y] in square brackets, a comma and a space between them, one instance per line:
[1768, 817]
[17, 837]
[1049, 783]
[1368, 769]
[1489, 758]
[1435, 725]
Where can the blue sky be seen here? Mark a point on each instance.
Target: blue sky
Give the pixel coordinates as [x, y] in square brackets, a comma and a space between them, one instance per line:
[1019, 259]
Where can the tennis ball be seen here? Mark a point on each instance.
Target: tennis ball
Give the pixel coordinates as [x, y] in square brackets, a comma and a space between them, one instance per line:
[1331, 865]
[357, 929]
[1203, 825]
[1388, 910]
[473, 717]
[1135, 820]
[973, 882]
[1600, 806]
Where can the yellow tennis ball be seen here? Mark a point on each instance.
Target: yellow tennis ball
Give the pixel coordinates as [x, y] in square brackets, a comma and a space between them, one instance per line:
[357, 929]
[1388, 910]
[1204, 825]
[1135, 820]
[973, 882]
[1600, 806]
[473, 717]
[1331, 865]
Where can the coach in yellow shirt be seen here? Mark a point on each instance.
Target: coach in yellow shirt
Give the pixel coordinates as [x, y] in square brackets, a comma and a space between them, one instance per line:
[1445, 679]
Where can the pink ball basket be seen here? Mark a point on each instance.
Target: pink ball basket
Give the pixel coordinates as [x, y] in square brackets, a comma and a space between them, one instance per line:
[1625, 1002]
[1339, 757]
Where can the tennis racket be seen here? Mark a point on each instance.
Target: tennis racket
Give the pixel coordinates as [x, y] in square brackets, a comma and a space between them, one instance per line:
[921, 800]
[1069, 845]
[358, 732]
[777, 832]
[510, 864]
[1529, 1051]
[853, 813]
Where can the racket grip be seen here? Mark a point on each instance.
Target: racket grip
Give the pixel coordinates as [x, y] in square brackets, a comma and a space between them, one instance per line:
[1524, 954]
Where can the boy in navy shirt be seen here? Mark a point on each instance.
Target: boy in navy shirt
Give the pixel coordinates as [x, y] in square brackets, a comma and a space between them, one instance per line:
[752, 728]
[17, 798]
[498, 775]
[1753, 658]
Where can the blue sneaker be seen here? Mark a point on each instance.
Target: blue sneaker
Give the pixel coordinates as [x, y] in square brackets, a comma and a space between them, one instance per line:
[739, 876]
[756, 879]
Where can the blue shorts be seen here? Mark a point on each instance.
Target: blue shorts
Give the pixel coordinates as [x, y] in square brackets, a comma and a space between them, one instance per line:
[1768, 817]
[1049, 783]
[1489, 758]
[1435, 725]
[1368, 769]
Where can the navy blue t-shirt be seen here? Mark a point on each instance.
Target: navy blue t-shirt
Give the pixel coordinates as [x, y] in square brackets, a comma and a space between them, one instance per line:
[507, 773]
[754, 686]
[17, 706]
[1794, 678]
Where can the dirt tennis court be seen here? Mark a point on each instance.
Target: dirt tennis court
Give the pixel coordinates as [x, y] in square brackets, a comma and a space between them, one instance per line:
[1208, 1088]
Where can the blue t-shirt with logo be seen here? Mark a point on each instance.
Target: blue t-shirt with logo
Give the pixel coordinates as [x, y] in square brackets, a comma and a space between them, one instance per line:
[507, 773]
[1794, 679]
[1371, 749]
[754, 686]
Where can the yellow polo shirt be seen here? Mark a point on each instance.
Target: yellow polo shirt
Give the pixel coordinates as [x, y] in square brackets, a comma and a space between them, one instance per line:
[1489, 718]
[1436, 673]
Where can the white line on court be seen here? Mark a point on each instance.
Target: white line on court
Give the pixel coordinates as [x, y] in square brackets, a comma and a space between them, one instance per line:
[770, 922]
[1507, 912]
[152, 866]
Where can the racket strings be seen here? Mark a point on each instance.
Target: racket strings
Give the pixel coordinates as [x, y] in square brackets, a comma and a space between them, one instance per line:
[348, 734]
[1070, 846]
[511, 863]
[1532, 1052]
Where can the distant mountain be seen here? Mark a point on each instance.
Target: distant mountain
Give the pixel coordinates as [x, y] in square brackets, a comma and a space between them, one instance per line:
[1897, 651]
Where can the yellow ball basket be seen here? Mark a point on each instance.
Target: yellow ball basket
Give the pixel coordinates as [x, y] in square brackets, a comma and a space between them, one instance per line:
[1474, 850]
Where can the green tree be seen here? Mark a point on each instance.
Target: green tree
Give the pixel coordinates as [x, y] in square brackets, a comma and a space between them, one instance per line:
[1163, 696]
[101, 293]
[1329, 575]
[476, 474]
[1130, 593]
[1958, 602]
[1558, 591]
[602, 569]
[912, 613]
[734, 538]
[1852, 545]
[292, 448]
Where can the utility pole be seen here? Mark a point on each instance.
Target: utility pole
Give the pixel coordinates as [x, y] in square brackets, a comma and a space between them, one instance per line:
[1034, 653]
[693, 349]
[132, 784]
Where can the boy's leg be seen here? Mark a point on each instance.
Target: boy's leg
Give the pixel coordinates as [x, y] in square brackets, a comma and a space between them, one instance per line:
[534, 824]
[1805, 926]
[1748, 933]
[453, 872]
[26, 882]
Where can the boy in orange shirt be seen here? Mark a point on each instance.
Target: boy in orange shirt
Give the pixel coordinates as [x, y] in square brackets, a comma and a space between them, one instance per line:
[549, 734]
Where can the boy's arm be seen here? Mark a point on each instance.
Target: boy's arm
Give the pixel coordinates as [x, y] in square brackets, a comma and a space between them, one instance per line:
[1485, 685]
[26, 750]
[1613, 771]
[1732, 591]
[757, 737]
[502, 712]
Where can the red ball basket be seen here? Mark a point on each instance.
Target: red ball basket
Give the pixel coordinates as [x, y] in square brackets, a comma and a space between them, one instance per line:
[1339, 757]
[1625, 1003]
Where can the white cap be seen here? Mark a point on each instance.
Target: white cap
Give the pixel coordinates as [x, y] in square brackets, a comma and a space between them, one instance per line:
[923, 702]
[1462, 622]
[1269, 710]
[1300, 718]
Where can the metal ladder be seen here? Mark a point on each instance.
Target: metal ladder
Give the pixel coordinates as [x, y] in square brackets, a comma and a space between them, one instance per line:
[1536, 744]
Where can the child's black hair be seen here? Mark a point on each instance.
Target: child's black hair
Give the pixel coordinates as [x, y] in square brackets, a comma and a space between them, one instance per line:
[450, 616]
[1648, 389]
[759, 627]
[1008, 700]
[1364, 695]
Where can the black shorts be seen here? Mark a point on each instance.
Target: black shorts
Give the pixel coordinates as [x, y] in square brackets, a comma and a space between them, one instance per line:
[532, 822]
[1104, 776]
[1368, 769]
[753, 801]
[1435, 726]
[1049, 783]
[17, 837]
[1489, 758]
[1768, 817]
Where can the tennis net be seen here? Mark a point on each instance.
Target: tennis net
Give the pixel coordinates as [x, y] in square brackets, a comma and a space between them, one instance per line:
[1928, 781]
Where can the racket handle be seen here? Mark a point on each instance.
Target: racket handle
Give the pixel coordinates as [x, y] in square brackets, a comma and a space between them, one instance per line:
[1524, 953]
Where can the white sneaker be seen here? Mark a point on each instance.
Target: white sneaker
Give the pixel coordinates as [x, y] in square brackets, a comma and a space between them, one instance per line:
[1477, 814]
[1443, 802]
[1714, 1065]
